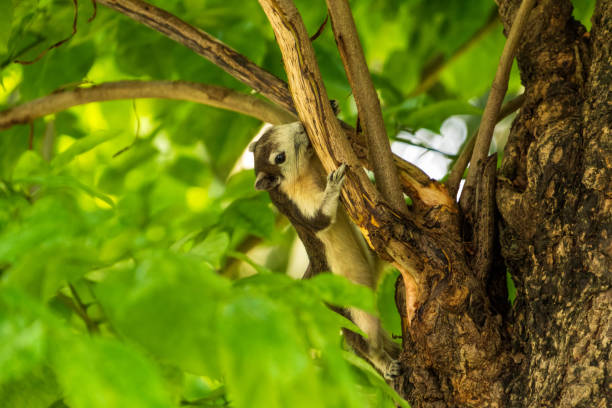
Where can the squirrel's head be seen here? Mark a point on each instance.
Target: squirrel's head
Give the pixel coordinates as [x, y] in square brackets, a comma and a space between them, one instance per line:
[282, 154]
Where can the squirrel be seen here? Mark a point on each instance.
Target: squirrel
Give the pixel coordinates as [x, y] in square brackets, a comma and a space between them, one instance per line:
[287, 168]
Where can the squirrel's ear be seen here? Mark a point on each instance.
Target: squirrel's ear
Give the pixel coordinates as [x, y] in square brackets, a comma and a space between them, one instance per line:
[252, 147]
[266, 181]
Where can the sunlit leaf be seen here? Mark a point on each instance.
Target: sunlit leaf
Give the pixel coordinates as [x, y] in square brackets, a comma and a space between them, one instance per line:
[168, 304]
[339, 291]
[81, 146]
[102, 373]
[213, 248]
[58, 182]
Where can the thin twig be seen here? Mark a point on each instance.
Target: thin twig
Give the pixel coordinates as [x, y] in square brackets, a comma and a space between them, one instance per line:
[19, 53]
[59, 43]
[320, 30]
[180, 90]
[79, 308]
[496, 97]
[95, 11]
[136, 137]
[31, 136]
[368, 105]
[456, 173]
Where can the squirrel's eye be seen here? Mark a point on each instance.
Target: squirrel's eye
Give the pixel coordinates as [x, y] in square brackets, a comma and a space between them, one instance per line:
[280, 158]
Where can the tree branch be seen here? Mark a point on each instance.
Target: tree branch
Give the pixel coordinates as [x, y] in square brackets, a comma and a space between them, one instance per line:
[496, 97]
[368, 105]
[202, 43]
[456, 173]
[417, 184]
[180, 90]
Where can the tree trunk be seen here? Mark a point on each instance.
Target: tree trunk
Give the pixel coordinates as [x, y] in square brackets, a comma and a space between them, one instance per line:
[555, 197]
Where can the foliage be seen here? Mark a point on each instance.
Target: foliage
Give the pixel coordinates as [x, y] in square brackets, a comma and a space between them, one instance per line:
[118, 229]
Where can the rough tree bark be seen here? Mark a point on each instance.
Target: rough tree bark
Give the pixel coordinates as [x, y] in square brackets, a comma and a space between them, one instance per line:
[555, 197]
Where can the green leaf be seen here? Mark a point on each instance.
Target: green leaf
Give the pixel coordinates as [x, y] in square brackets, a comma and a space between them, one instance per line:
[190, 170]
[95, 372]
[339, 291]
[64, 262]
[23, 346]
[81, 146]
[58, 182]
[54, 231]
[376, 379]
[240, 185]
[251, 214]
[471, 73]
[61, 66]
[6, 17]
[67, 123]
[23, 334]
[275, 348]
[30, 163]
[213, 248]
[25, 327]
[259, 268]
[13, 143]
[165, 291]
[37, 389]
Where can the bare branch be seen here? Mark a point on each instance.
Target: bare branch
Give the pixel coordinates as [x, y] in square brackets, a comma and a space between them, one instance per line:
[417, 184]
[367, 102]
[496, 97]
[180, 90]
[202, 43]
[456, 174]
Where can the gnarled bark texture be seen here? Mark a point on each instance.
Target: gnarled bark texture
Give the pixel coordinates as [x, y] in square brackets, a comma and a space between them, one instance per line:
[554, 193]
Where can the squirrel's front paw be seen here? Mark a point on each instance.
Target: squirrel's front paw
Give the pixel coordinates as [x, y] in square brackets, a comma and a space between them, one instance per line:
[393, 370]
[336, 177]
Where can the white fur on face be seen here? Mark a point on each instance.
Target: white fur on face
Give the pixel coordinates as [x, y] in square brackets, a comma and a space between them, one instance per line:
[292, 140]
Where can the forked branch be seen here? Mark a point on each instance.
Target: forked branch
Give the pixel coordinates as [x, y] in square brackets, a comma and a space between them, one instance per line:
[416, 183]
